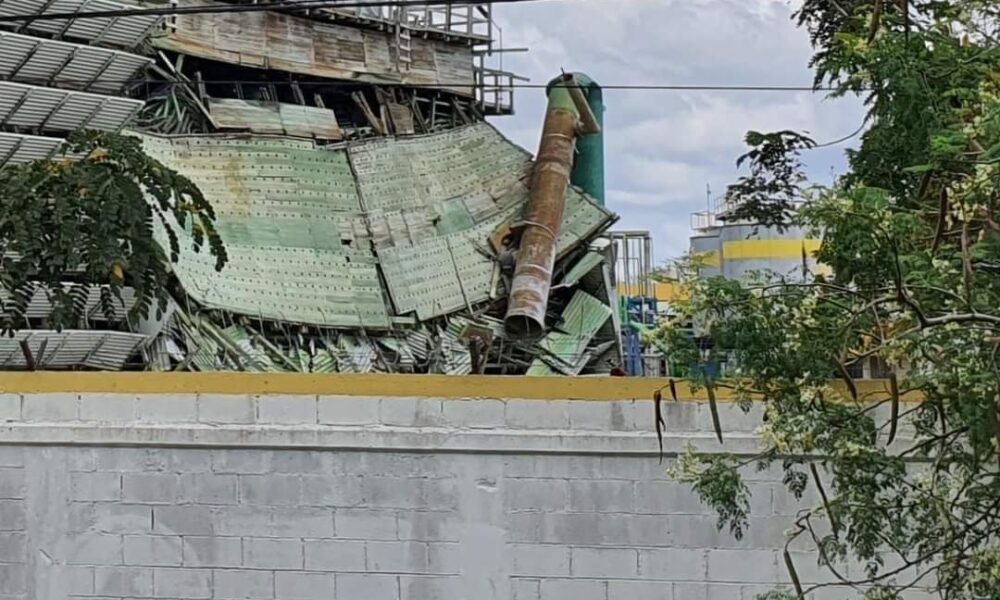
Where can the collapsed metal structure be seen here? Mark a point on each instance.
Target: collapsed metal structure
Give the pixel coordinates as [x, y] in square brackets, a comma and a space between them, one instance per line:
[374, 221]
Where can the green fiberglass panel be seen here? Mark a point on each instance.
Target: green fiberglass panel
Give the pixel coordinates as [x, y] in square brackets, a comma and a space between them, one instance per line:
[289, 215]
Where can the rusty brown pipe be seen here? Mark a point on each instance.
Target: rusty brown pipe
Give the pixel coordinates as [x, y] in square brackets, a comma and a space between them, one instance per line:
[529, 294]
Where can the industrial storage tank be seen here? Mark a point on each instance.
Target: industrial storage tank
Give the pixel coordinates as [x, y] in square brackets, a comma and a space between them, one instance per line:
[739, 249]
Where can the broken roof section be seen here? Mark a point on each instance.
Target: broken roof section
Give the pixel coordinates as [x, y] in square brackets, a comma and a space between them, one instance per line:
[377, 255]
[434, 201]
[564, 350]
[306, 228]
[293, 227]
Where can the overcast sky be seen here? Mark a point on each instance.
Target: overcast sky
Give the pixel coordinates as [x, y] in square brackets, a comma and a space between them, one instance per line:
[663, 147]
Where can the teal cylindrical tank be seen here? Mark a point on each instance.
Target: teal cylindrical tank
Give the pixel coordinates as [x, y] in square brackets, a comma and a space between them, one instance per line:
[588, 168]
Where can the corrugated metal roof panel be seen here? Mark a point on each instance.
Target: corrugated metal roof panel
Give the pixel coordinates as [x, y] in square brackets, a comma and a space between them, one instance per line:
[454, 357]
[51, 109]
[61, 64]
[69, 349]
[40, 306]
[355, 355]
[117, 31]
[16, 148]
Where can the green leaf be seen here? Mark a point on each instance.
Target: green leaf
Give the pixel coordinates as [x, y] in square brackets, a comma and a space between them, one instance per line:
[90, 222]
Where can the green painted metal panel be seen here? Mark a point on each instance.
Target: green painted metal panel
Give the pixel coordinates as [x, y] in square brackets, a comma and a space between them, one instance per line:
[423, 171]
[563, 350]
[292, 223]
[445, 195]
[587, 263]
[307, 227]
[588, 169]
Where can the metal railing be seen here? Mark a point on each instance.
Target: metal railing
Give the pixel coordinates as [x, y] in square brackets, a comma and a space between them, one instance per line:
[705, 220]
[467, 21]
[473, 22]
[725, 205]
[495, 89]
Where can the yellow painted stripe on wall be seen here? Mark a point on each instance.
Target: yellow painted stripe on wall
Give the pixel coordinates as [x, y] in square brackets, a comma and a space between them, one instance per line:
[663, 291]
[750, 249]
[708, 258]
[377, 385]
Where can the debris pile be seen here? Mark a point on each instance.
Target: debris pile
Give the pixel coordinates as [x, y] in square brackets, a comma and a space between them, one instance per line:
[382, 255]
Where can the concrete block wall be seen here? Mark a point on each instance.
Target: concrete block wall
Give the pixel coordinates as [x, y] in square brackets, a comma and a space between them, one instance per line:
[191, 496]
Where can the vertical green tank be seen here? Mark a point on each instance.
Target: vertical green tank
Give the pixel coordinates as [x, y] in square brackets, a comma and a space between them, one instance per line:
[588, 168]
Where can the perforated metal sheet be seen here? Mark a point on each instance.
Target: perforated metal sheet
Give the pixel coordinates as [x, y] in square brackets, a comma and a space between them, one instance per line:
[118, 31]
[433, 202]
[582, 219]
[61, 64]
[300, 239]
[16, 148]
[459, 165]
[293, 228]
[51, 109]
[441, 274]
[563, 349]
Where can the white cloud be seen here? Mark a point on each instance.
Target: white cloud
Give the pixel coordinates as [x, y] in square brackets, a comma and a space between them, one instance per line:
[664, 176]
[714, 124]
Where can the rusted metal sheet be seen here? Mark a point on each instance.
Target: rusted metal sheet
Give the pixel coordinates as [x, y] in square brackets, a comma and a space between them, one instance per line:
[285, 42]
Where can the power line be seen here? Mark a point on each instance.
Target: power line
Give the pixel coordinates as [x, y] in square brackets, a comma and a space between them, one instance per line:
[447, 86]
[841, 139]
[243, 8]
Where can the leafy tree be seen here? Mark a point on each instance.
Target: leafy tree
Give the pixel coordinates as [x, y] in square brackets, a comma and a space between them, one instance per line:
[66, 226]
[910, 491]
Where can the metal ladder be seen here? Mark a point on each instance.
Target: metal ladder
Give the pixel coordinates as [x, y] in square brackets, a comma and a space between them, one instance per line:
[404, 47]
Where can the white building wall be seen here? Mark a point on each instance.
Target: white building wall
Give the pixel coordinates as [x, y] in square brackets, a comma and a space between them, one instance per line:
[359, 498]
